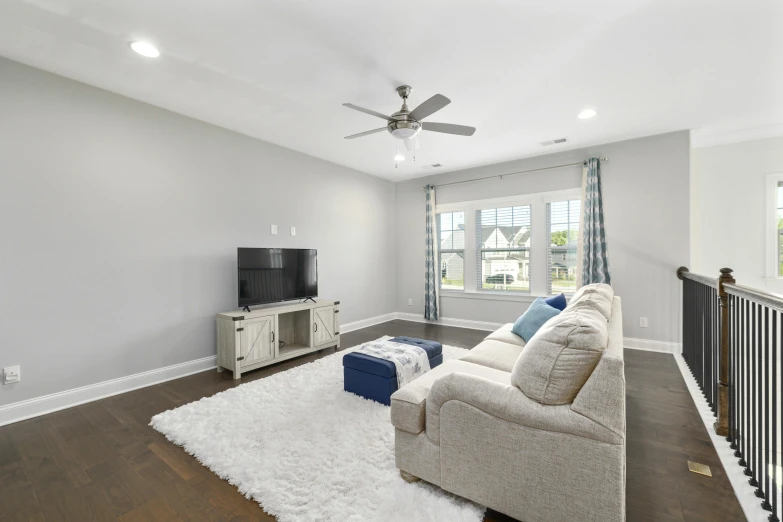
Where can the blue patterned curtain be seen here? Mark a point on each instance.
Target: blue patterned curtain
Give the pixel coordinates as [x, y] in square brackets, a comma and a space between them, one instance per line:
[593, 256]
[431, 287]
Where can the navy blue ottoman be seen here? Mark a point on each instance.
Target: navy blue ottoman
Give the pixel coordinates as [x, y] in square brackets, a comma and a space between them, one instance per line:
[376, 379]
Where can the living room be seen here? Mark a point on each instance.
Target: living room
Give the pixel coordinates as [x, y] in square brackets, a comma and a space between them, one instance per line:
[315, 261]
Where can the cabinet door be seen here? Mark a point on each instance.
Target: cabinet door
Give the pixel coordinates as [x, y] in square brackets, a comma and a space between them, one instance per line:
[256, 340]
[323, 325]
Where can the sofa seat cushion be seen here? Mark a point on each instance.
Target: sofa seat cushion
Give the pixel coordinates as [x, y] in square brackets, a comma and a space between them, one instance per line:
[409, 403]
[505, 335]
[495, 354]
[557, 362]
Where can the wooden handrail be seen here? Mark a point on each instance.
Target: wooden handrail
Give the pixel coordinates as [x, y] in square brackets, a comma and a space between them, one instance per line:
[684, 273]
[758, 296]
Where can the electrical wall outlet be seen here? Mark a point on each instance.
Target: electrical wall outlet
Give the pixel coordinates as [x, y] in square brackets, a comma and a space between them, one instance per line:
[12, 374]
[410, 302]
[273, 230]
[293, 231]
[643, 322]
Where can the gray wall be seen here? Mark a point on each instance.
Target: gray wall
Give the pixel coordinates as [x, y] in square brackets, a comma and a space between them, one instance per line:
[119, 224]
[646, 208]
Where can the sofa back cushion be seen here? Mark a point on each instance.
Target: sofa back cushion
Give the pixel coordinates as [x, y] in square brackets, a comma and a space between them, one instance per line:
[598, 296]
[558, 360]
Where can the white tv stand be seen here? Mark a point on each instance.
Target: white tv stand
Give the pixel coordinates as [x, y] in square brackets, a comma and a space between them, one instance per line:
[250, 340]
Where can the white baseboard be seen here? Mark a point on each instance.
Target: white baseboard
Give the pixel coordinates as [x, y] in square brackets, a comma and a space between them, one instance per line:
[446, 321]
[750, 504]
[651, 346]
[364, 323]
[22, 410]
[416, 318]
[19, 411]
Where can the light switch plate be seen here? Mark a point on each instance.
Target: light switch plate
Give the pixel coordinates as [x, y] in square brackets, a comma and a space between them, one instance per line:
[293, 231]
[643, 322]
[410, 302]
[273, 229]
[12, 374]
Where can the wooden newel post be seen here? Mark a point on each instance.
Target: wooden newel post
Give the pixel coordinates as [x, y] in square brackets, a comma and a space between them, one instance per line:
[721, 426]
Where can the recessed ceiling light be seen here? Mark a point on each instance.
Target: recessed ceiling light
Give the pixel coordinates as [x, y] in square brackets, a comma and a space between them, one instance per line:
[399, 157]
[587, 113]
[145, 49]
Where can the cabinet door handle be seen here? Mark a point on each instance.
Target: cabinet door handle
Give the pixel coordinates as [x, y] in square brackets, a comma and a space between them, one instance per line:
[315, 327]
[273, 336]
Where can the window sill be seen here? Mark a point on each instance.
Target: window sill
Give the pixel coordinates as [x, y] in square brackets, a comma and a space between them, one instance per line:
[488, 296]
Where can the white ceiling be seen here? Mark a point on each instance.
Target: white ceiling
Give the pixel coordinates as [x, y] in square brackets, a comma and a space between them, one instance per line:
[518, 70]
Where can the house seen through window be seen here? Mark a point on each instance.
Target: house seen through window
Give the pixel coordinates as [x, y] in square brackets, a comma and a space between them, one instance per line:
[503, 253]
[451, 232]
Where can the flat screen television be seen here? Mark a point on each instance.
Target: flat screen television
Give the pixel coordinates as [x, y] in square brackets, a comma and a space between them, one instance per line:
[272, 275]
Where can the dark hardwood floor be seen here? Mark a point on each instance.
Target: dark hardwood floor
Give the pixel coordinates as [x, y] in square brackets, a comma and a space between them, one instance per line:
[101, 461]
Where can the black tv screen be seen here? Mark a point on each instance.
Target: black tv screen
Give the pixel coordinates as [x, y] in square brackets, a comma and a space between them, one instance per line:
[271, 275]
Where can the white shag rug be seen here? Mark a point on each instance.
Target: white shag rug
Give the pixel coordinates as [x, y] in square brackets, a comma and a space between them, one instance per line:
[306, 450]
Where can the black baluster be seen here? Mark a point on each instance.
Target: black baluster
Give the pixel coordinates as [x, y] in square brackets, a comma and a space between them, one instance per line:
[716, 346]
[705, 346]
[750, 458]
[765, 464]
[740, 453]
[713, 359]
[773, 517]
[732, 364]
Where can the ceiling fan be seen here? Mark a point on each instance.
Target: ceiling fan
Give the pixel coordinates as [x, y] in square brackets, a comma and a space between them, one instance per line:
[405, 124]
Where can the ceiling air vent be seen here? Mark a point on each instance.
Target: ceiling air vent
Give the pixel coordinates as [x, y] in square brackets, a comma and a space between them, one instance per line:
[556, 141]
[433, 166]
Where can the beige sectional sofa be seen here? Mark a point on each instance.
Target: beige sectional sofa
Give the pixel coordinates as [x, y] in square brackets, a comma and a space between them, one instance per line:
[536, 432]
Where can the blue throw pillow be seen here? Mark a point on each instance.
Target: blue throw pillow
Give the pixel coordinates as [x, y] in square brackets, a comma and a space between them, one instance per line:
[534, 318]
[557, 301]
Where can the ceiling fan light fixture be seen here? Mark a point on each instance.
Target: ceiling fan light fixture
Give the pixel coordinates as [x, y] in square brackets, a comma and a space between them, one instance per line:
[399, 157]
[405, 133]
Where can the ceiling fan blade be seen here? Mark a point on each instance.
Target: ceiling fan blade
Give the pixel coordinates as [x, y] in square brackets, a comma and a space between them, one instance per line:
[430, 106]
[366, 111]
[449, 128]
[365, 133]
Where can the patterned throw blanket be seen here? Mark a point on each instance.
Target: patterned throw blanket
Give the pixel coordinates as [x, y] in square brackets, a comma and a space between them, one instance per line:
[410, 361]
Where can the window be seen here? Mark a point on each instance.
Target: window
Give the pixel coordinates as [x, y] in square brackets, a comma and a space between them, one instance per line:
[512, 247]
[451, 251]
[774, 229]
[503, 252]
[563, 236]
[779, 228]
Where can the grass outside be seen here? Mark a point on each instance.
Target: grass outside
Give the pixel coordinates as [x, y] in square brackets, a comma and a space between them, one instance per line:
[452, 284]
[567, 286]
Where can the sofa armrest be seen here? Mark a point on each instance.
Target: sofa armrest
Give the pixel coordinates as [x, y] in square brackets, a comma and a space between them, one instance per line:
[507, 402]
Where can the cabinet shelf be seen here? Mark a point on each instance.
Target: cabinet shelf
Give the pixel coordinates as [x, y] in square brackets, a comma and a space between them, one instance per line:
[290, 350]
[250, 340]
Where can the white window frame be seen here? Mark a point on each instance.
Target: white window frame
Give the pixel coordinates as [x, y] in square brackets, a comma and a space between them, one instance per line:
[772, 225]
[449, 250]
[538, 241]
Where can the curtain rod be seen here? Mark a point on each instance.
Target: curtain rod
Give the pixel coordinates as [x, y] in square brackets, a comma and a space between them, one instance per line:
[500, 176]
